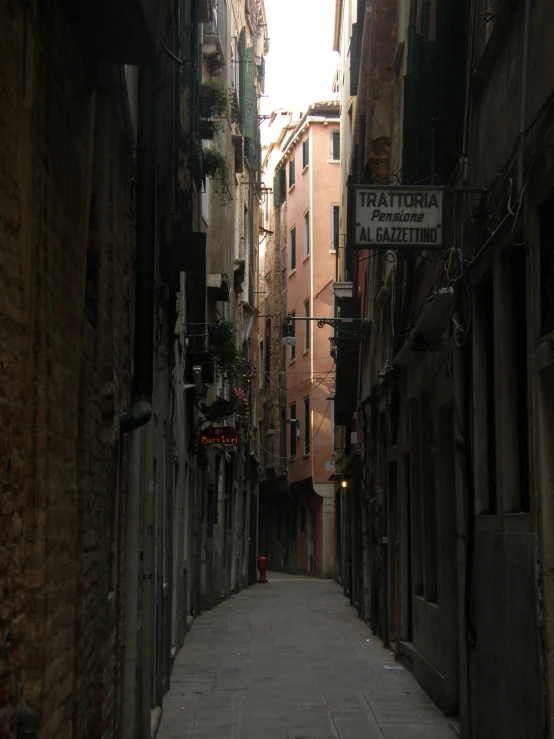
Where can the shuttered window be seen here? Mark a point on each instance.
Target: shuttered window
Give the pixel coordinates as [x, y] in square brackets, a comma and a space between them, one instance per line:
[335, 145]
[305, 153]
[291, 173]
[335, 245]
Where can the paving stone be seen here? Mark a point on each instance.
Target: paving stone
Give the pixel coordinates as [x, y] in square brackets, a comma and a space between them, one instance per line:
[290, 660]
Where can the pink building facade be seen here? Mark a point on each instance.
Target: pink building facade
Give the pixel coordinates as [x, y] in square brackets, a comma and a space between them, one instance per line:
[308, 177]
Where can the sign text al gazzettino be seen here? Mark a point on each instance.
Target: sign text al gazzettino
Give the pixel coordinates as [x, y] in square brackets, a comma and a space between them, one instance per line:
[398, 217]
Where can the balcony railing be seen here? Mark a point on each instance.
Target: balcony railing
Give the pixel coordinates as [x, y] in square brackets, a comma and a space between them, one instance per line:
[217, 26]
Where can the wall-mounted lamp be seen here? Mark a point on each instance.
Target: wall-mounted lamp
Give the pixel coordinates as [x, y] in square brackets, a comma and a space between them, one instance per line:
[197, 378]
[344, 484]
[288, 338]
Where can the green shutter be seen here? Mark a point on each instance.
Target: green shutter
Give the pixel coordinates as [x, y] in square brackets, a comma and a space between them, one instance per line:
[335, 226]
[276, 190]
[247, 94]
[279, 187]
[355, 43]
[291, 173]
[306, 153]
[292, 250]
[336, 145]
[242, 69]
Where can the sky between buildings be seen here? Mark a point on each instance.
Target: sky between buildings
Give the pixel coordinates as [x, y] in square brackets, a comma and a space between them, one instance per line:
[301, 62]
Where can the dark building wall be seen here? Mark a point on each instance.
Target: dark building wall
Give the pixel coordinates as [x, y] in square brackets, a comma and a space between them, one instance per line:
[505, 661]
[66, 298]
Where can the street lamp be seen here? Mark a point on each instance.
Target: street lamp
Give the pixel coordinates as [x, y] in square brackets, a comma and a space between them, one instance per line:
[346, 328]
[288, 339]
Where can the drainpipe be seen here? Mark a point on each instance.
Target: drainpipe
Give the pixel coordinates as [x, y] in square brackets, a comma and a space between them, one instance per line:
[462, 525]
[160, 495]
[141, 409]
[131, 690]
[524, 91]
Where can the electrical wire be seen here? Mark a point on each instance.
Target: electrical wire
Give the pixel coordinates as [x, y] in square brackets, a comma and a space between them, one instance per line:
[277, 456]
[288, 391]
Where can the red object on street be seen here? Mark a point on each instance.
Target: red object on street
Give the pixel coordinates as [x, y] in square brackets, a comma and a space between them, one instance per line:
[262, 566]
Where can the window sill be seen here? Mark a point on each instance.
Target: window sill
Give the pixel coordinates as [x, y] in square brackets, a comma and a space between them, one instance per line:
[332, 251]
[333, 161]
[306, 351]
[292, 459]
[291, 188]
[292, 361]
[292, 271]
[306, 256]
[305, 456]
[306, 168]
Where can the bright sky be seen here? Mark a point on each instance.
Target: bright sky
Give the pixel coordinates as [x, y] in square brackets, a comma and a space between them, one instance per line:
[301, 62]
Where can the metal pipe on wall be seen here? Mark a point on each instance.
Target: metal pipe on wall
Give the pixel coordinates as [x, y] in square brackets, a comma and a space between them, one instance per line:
[132, 554]
[160, 528]
[141, 409]
[524, 93]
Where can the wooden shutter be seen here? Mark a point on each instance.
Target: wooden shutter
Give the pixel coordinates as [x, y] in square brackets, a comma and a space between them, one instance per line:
[355, 43]
[306, 153]
[276, 190]
[293, 249]
[336, 145]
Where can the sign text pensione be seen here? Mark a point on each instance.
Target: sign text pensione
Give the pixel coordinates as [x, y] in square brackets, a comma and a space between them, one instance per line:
[393, 217]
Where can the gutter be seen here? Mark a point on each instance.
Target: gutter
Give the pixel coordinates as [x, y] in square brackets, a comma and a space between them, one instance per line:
[141, 409]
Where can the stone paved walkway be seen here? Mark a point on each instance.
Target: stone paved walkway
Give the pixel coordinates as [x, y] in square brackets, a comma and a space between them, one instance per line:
[291, 660]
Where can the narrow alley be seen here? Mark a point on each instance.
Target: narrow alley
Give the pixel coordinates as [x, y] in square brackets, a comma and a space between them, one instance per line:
[291, 660]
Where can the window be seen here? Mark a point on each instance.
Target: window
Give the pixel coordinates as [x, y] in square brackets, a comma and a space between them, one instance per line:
[305, 153]
[293, 248]
[291, 173]
[292, 349]
[292, 430]
[335, 146]
[335, 245]
[307, 429]
[500, 380]
[306, 326]
[306, 233]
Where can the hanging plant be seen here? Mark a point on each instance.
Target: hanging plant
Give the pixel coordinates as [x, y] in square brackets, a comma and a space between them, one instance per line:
[217, 166]
[223, 348]
[215, 98]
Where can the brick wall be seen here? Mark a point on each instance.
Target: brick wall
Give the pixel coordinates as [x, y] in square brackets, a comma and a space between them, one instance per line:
[66, 297]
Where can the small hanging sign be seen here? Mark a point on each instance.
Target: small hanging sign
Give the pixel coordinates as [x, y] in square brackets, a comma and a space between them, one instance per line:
[219, 435]
[398, 217]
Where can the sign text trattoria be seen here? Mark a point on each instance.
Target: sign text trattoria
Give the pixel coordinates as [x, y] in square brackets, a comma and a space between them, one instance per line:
[393, 217]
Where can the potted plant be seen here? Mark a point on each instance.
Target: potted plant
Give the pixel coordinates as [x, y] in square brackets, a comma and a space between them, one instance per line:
[215, 99]
[217, 166]
[223, 348]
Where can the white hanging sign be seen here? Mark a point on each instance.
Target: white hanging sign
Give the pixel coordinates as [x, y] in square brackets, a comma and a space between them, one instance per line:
[398, 217]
